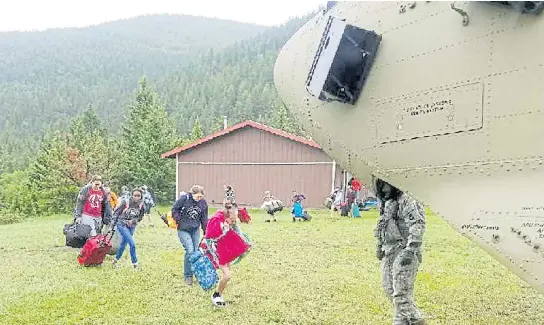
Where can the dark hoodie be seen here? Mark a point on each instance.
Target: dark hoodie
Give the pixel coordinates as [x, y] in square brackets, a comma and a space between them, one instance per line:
[133, 211]
[190, 214]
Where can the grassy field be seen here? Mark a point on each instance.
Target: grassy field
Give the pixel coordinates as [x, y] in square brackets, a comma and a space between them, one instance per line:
[320, 272]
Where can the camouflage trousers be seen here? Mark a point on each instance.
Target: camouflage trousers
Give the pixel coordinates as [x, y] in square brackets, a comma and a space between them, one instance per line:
[398, 283]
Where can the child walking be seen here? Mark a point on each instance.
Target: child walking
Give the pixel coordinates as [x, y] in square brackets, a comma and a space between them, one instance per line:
[229, 245]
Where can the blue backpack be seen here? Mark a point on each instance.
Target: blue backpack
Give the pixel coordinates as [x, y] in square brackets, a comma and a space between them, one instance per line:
[203, 269]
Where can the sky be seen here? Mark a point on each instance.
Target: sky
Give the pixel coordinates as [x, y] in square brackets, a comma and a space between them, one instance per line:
[25, 15]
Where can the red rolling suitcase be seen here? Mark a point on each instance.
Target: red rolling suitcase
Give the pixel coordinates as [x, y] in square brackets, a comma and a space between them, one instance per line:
[95, 249]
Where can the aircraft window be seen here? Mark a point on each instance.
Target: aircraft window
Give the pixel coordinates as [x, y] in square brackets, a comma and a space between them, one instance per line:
[342, 62]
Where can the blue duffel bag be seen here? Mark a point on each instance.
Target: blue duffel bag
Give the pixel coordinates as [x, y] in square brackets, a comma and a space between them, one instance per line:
[203, 269]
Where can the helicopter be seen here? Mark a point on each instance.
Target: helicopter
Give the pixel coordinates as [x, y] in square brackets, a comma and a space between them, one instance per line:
[441, 99]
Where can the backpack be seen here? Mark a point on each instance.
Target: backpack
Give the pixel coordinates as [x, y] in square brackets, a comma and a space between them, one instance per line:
[169, 220]
[148, 199]
[184, 207]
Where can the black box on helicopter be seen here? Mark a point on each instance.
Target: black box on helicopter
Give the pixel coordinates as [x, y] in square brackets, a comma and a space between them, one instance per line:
[342, 62]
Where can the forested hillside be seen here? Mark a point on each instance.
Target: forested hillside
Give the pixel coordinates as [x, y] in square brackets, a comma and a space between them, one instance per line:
[75, 103]
[49, 77]
[202, 68]
[236, 82]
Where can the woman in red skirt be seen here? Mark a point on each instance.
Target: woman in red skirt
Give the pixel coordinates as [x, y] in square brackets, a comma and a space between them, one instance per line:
[228, 245]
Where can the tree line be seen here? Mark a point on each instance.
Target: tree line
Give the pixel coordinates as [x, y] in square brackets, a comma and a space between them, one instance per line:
[66, 159]
[42, 175]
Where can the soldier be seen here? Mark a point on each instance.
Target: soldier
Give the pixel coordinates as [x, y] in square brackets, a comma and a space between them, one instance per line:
[399, 235]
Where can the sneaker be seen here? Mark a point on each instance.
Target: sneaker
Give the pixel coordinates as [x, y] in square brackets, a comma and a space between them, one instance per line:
[217, 300]
[189, 281]
[115, 265]
[267, 221]
[275, 220]
[294, 219]
[136, 267]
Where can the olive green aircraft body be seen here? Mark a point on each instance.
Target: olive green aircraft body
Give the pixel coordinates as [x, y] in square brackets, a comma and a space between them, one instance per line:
[451, 111]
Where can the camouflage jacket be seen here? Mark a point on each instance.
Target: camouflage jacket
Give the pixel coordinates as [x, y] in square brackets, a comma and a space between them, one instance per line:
[401, 225]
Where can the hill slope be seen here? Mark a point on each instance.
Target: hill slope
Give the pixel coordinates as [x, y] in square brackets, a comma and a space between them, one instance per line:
[237, 82]
[53, 75]
[202, 68]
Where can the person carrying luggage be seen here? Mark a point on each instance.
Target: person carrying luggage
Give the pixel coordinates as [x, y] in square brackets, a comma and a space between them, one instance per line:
[268, 205]
[298, 210]
[336, 197]
[126, 218]
[229, 193]
[356, 186]
[93, 207]
[125, 193]
[149, 202]
[229, 245]
[190, 212]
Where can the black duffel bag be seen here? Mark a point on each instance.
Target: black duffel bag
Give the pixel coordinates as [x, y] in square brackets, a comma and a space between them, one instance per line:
[76, 234]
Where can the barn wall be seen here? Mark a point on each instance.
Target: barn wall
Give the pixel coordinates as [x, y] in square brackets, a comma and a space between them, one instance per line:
[250, 182]
[253, 145]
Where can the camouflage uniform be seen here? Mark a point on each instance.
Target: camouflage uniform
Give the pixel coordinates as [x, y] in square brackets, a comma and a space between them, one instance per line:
[399, 235]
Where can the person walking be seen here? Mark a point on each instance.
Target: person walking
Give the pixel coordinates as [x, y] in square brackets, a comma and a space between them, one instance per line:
[93, 206]
[126, 218]
[191, 213]
[229, 245]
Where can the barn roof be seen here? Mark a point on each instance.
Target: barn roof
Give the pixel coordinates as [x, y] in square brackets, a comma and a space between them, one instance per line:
[239, 126]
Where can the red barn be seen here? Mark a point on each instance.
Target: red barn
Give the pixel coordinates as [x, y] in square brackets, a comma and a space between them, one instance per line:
[254, 158]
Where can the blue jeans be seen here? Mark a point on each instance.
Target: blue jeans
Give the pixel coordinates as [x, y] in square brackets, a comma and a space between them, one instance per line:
[189, 240]
[126, 233]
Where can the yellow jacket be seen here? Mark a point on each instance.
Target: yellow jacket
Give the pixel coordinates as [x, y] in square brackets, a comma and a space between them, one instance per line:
[113, 200]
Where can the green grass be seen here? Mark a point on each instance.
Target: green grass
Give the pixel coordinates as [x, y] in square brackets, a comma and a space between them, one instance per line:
[320, 272]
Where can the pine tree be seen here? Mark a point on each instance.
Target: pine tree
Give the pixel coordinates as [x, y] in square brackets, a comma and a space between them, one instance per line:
[90, 151]
[197, 132]
[56, 175]
[282, 119]
[147, 133]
